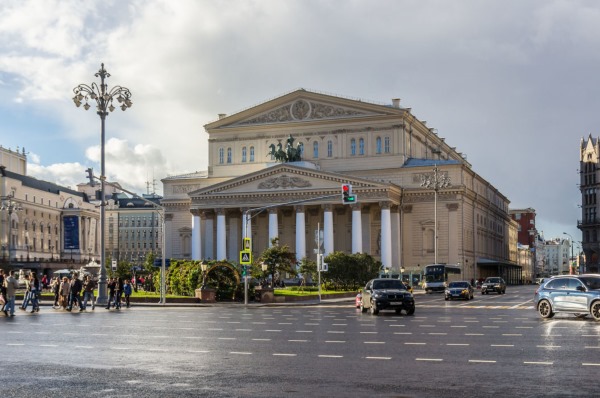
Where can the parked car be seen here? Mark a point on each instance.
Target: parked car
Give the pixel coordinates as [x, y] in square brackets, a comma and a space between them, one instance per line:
[576, 294]
[459, 290]
[493, 284]
[386, 294]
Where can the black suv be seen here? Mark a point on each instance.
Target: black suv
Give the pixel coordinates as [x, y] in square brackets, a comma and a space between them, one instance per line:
[493, 284]
[386, 294]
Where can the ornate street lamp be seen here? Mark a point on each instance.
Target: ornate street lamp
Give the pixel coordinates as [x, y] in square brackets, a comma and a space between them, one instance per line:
[103, 97]
[435, 181]
[9, 206]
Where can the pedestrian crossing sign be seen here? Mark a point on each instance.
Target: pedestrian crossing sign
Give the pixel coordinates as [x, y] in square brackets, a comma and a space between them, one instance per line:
[246, 257]
[247, 244]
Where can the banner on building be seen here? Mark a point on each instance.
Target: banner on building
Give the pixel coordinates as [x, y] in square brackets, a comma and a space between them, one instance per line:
[71, 232]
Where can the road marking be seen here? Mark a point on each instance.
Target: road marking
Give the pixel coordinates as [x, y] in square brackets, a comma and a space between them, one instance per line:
[119, 348]
[214, 329]
[548, 346]
[311, 324]
[336, 331]
[590, 364]
[284, 355]
[304, 331]
[537, 363]
[457, 344]
[339, 324]
[331, 356]
[84, 346]
[481, 361]
[334, 341]
[474, 334]
[374, 342]
[429, 359]
[261, 339]
[369, 332]
[592, 347]
[298, 341]
[198, 352]
[458, 326]
[512, 334]
[48, 345]
[226, 338]
[15, 344]
[284, 323]
[378, 358]
[523, 327]
[273, 330]
[240, 353]
[407, 343]
[437, 334]
[403, 333]
[243, 330]
[502, 345]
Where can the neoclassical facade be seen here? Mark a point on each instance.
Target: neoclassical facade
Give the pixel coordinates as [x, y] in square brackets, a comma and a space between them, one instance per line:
[382, 150]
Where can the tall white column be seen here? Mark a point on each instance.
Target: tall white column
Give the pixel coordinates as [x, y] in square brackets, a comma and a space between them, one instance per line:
[396, 243]
[327, 230]
[300, 233]
[386, 235]
[356, 229]
[209, 233]
[273, 226]
[221, 235]
[196, 236]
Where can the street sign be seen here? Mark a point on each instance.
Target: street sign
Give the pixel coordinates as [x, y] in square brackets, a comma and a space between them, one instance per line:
[246, 257]
[114, 265]
[247, 244]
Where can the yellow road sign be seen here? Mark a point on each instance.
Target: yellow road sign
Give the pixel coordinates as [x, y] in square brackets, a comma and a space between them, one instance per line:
[245, 257]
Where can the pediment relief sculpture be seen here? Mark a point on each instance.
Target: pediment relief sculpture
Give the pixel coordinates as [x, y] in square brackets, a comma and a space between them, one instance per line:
[284, 181]
[302, 110]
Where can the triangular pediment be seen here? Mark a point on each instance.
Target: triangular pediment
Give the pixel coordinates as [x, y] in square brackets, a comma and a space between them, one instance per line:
[303, 106]
[286, 182]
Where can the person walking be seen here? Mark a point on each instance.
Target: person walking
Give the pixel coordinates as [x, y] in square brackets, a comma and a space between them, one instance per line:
[26, 296]
[127, 292]
[118, 292]
[34, 290]
[88, 292]
[65, 290]
[75, 292]
[11, 285]
[111, 285]
[55, 289]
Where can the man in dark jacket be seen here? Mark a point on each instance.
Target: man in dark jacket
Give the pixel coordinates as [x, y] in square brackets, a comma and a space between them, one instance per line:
[75, 292]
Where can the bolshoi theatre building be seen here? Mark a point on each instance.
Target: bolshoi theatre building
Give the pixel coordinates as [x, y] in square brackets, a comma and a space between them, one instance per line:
[406, 178]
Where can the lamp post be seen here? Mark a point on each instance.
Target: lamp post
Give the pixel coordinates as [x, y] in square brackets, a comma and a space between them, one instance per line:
[435, 181]
[103, 96]
[203, 266]
[264, 268]
[571, 259]
[9, 206]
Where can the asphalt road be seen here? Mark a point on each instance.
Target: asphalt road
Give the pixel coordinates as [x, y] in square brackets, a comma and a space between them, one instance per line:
[494, 345]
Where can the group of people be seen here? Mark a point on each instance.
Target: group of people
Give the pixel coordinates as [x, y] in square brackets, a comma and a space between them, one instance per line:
[68, 293]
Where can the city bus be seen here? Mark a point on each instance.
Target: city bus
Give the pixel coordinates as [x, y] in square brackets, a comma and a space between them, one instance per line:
[437, 276]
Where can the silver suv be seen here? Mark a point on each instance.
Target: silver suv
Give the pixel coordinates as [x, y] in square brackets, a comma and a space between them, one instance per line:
[576, 294]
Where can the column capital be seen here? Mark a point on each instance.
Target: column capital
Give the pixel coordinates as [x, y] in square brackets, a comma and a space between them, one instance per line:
[327, 207]
[356, 207]
[385, 204]
[299, 208]
[196, 212]
[452, 206]
[273, 210]
[220, 212]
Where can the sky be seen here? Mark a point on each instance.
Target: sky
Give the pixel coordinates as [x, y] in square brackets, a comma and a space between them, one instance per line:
[512, 84]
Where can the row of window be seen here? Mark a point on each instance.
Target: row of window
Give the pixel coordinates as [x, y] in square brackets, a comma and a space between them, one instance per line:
[140, 223]
[149, 245]
[381, 146]
[140, 235]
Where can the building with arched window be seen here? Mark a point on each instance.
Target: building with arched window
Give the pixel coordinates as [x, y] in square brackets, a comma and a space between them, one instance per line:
[382, 150]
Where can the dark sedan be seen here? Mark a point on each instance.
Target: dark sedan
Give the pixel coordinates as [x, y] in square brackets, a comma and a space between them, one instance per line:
[493, 284]
[576, 294]
[459, 290]
[386, 294]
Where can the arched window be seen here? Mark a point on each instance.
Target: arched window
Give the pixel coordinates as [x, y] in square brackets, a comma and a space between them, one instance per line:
[243, 154]
[329, 148]
[252, 154]
[378, 145]
[361, 146]
[386, 145]
[353, 147]
[228, 155]
[221, 155]
[315, 149]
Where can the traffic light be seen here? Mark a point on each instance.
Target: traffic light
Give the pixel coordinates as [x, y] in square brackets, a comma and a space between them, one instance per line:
[347, 196]
[90, 172]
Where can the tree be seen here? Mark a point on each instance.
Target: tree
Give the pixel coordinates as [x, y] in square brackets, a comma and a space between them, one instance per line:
[280, 260]
[350, 271]
[308, 269]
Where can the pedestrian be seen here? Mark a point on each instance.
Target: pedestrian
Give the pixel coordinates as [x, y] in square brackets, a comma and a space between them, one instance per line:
[11, 285]
[112, 284]
[65, 290]
[88, 292]
[44, 282]
[75, 292]
[127, 292]
[34, 291]
[55, 288]
[118, 292]
[2, 288]
[26, 295]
